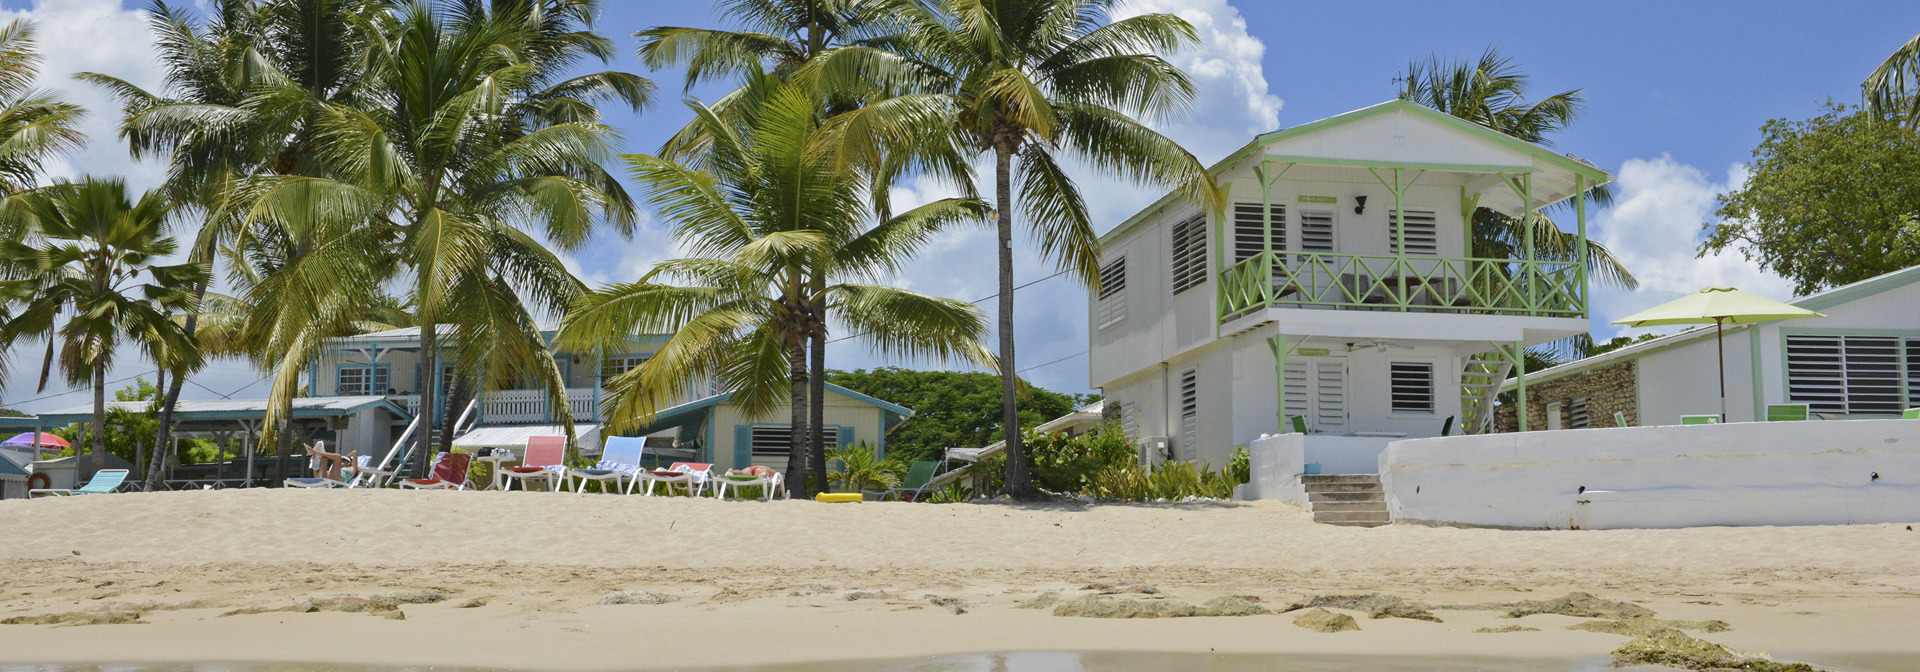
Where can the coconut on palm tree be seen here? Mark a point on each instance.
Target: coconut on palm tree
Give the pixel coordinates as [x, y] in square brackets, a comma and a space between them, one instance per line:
[772, 204]
[84, 271]
[1032, 83]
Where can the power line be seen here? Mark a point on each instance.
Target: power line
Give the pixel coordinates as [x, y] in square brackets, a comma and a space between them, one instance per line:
[1057, 361]
[974, 302]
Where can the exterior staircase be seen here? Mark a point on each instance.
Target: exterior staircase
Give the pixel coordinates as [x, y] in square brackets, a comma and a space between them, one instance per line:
[1355, 500]
[1479, 385]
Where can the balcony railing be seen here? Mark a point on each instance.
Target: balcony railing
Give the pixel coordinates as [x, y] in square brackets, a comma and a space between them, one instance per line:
[518, 406]
[1413, 284]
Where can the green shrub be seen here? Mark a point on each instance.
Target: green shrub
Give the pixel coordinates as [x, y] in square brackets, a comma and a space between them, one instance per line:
[951, 493]
[1240, 466]
[1063, 464]
[1172, 481]
[858, 467]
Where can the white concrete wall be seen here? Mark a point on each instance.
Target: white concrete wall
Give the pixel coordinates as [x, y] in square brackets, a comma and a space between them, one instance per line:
[1685, 380]
[1794, 473]
[1346, 454]
[1276, 463]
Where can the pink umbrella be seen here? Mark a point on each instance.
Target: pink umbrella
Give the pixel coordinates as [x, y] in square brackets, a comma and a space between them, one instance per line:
[26, 439]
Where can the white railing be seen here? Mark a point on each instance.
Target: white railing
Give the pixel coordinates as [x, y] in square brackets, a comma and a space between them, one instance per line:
[519, 406]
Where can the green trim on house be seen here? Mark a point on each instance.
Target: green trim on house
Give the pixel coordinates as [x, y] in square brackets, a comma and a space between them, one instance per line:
[1859, 290]
[1403, 165]
[1577, 166]
[1906, 391]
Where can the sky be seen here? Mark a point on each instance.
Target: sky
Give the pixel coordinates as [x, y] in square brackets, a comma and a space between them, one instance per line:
[1676, 94]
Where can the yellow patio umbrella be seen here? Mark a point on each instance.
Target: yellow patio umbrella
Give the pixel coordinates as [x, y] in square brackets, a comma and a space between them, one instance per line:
[1718, 306]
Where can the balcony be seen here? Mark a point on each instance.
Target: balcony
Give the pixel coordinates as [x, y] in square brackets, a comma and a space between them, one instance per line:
[510, 407]
[1461, 286]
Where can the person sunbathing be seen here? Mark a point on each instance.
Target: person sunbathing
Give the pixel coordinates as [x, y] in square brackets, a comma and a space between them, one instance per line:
[756, 471]
[328, 465]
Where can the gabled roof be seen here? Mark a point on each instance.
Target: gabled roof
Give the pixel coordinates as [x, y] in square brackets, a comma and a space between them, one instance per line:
[1817, 301]
[1554, 172]
[696, 410]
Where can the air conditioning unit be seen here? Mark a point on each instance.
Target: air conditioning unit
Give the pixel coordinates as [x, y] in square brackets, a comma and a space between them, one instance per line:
[1155, 449]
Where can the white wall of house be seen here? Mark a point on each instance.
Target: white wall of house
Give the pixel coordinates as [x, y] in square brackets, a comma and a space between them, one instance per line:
[1792, 473]
[1685, 380]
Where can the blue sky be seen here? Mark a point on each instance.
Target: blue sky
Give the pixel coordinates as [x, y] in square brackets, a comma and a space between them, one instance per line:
[1676, 93]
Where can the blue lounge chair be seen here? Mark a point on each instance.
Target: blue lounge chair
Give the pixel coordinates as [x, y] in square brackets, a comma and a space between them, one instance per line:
[619, 463]
[103, 482]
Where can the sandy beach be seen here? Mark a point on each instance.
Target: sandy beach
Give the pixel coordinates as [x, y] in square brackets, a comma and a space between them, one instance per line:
[519, 580]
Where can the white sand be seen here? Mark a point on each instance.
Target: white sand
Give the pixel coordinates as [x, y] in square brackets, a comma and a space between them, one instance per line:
[1844, 595]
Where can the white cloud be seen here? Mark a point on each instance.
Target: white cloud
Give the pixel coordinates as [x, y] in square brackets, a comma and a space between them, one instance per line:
[1654, 228]
[1233, 104]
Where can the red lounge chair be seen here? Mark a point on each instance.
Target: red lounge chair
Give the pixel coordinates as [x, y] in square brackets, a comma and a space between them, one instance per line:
[449, 473]
[694, 475]
[545, 461]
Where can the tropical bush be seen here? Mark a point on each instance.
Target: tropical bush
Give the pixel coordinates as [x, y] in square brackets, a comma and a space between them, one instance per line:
[951, 493]
[858, 467]
[1068, 464]
[1240, 466]
[1172, 481]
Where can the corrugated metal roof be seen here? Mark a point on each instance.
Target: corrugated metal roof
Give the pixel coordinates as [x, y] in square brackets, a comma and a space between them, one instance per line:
[515, 436]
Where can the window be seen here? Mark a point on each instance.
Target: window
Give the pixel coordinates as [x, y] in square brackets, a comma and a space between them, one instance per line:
[1913, 373]
[1189, 254]
[1846, 374]
[1317, 391]
[614, 366]
[1316, 230]
[358, 381]
[1130, 420]
[1420, 230]
[773, 441]
[1189, 415]
[1411, 386]
[1577, 413]
[1112, 307]
[1249, 230]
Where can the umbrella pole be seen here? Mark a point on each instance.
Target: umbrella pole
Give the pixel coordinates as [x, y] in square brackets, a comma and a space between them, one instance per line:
[1720, 341]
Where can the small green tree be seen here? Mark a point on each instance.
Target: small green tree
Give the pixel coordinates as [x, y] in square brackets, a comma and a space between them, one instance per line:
[1831, 200]
[951, 409]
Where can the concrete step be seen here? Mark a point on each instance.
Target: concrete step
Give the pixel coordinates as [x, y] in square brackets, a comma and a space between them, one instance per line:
[1362, 496]
[1377, 505]
[1357, 523]
[1340, 478]
[1342, 487]
[1379, 517]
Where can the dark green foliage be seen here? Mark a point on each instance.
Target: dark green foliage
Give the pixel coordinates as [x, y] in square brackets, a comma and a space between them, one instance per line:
[951, 409]
[1240, 466]
[124, 427]
[1617, 343]
[1831, 200]
[1063, 464]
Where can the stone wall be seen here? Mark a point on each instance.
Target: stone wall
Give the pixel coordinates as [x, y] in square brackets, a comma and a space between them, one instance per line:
[1608, 389]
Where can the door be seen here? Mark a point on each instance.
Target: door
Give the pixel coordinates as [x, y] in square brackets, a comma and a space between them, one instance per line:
[1317, 391]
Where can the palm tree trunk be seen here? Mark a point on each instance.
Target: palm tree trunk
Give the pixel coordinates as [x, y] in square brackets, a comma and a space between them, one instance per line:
[99, 418]
[283, 450]
[457, 398]
[817, 453]
[429, 389]
[1019, 482]
[797, 435]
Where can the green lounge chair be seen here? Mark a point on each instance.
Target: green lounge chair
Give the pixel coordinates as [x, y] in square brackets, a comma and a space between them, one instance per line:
[1699, 419]
[1299, 424]
[1911, 414]
[1786, 412]
[103, 482]
[1619, 419]
[915, 484]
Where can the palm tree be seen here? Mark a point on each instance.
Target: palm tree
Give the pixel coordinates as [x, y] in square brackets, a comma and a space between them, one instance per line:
[438, 181]
[771, 204]
[245, 86]
[93, 253]
[34, 125]
[782, 37]
[1491, 92]
[1031, 82]
[1893, 90]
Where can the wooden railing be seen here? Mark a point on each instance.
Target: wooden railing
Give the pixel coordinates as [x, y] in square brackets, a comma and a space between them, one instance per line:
[518, 406]
[1411, 283]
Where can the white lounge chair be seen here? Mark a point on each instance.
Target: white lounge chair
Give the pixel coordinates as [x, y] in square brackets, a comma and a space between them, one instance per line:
[768, 484]
[545, 462]
[694, 475]
[619, 462]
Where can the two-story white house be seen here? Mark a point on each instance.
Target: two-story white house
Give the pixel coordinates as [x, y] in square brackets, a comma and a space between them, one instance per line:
[1337, 292]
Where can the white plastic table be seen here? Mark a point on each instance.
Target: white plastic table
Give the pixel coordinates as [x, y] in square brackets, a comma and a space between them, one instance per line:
[499, 458]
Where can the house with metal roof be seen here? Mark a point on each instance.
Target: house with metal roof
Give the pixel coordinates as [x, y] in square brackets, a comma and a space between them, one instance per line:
[1860, 361]
[1338, 293]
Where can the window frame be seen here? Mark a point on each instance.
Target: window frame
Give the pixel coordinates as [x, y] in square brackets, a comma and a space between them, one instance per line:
[1332, 230]
[829, 433]
[1256, 246]
[1432, 391]
[1905, 376]
[1430, 247]
[1187, 254]
[1190, 413]
[377, 373]
[1110, 306]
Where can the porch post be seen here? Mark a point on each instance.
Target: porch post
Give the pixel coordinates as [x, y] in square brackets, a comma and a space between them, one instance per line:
[1526, 229]
[1520, 382]
[1281, 348]
[1580, 244]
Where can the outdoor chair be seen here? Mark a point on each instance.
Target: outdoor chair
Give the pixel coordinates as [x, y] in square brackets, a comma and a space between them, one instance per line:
[449, 473]
[1786, 412]
[918, 480]
[1446, 428]
[545, 462]
[694, 475]
[768, 484]
[1699, 419]
[1299, 424]
[365, 475]
[318, 462]
[1619, 419]
[619, 462]
[103, 482]
[1911, 414]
